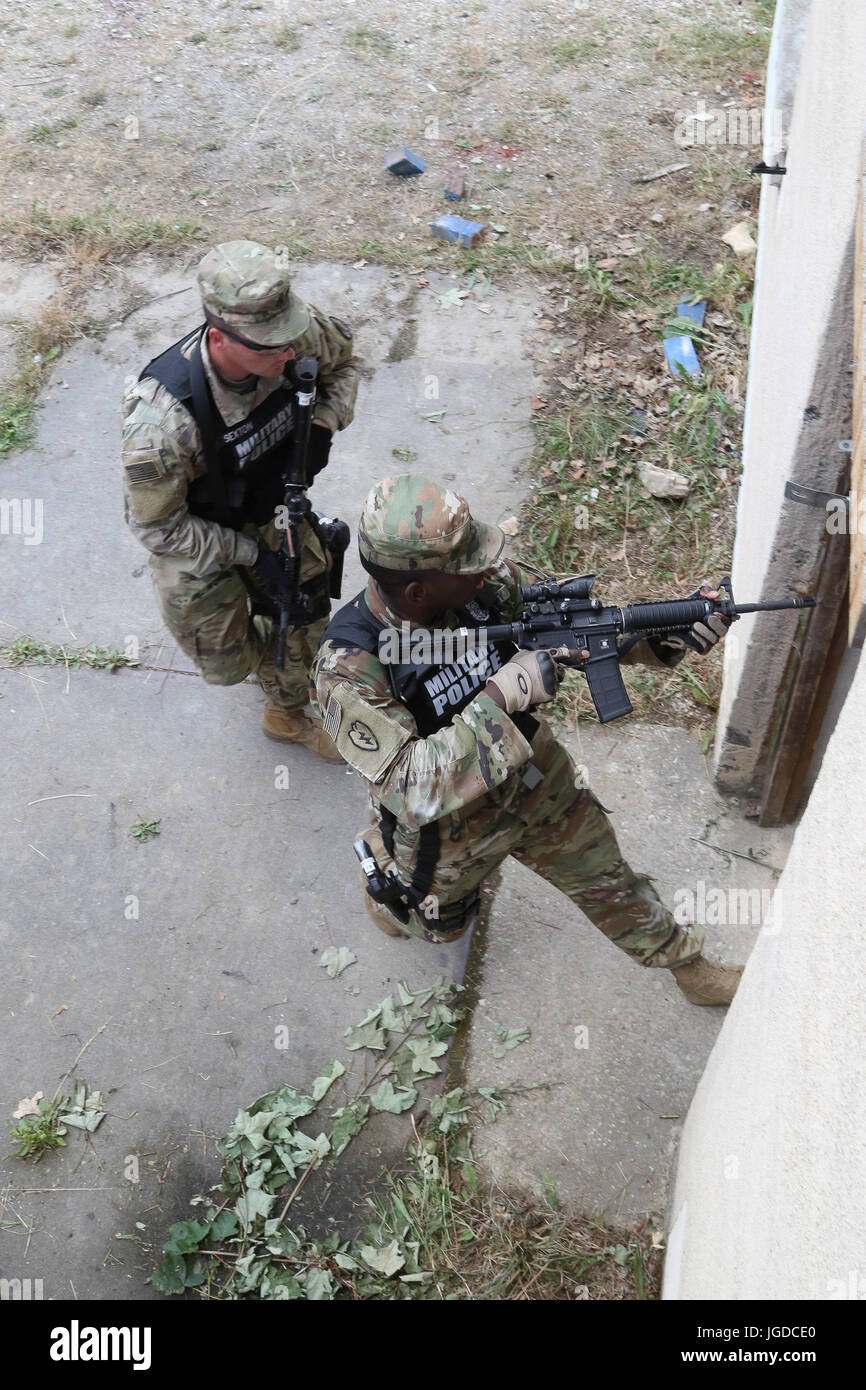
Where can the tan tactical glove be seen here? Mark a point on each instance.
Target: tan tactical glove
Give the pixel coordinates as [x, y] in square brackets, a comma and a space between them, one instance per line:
[529, 678]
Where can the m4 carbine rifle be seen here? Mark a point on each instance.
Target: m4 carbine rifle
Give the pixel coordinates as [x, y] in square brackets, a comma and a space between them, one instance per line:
[294, 604]
[561, 615]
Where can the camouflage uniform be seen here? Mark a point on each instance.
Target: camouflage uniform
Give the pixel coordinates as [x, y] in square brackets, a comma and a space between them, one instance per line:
[201, 594]
[471, 776]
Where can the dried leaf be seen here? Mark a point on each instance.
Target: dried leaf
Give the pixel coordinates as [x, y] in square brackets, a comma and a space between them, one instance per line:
[28, 1106]
[337, 959]
[385, 1261]
[509, 1038]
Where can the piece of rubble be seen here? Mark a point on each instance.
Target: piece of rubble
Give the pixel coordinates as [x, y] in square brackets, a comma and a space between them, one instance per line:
[404, 163]
[740, 239]
[663, 482]
[457, 229]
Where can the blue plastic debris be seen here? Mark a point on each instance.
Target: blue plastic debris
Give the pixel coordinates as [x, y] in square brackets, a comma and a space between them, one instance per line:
[454, 187]
[680, 352]
[695, 312]
[404, 163]
[451, 228]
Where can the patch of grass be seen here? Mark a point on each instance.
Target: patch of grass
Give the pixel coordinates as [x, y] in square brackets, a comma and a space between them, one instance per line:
[40, 1134]
[145, 830]
[197, 38]
[98, 236]
[71, 31]
[575, 50]
[16, 420]
[727, 285]
[404, 455]
[369, 40]
[29, 651]
[717, 48]
[287, 37]
[49, 130]
[94, 98]
[599, 293]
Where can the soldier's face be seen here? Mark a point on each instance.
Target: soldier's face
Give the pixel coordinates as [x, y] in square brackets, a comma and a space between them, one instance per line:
[235, 362]
[431, 596]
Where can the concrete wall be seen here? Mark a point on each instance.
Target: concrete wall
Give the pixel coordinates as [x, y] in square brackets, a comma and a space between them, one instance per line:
[769, 1200]
[799, 389]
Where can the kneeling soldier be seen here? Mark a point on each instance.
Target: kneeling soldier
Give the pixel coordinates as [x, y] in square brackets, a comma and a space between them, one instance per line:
[208, 427]
[460, 772]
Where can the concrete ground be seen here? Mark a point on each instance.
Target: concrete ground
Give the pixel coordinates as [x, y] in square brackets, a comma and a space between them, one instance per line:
[193, 948]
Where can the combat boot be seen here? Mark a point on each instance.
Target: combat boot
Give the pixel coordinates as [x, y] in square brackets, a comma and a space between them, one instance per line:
[294, 726]
[705, 981]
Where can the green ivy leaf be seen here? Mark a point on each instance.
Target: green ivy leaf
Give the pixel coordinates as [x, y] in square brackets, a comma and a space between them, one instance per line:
[327, 1079]
[366, 1034]
[394, 1102]
[386, 1260]
[350, 1119]
[423, 1051]
[225, 1225]
[184, 1237]
[318, 1285]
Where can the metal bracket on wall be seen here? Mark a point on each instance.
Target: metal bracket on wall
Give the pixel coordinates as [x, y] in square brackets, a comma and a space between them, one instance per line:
[813, 497]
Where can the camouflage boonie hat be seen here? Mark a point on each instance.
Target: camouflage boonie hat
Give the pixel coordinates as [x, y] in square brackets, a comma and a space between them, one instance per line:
[409, 523]
[243, 288]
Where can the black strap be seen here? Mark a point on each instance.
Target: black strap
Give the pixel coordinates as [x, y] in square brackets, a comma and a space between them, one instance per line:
[428, 853]
[206, 415]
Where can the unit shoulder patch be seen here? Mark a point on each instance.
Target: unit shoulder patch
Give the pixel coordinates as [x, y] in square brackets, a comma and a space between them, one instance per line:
[367, 737]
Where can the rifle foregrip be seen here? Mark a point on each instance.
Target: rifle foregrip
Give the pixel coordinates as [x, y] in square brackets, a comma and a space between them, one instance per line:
[606, 688]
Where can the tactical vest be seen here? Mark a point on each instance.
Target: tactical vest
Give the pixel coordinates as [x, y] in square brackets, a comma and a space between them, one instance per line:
[432, 692]
[245, 462]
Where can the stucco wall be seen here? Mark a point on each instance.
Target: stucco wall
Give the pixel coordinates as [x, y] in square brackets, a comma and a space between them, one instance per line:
[772, 1164]
[769, 1197]
[799, 389]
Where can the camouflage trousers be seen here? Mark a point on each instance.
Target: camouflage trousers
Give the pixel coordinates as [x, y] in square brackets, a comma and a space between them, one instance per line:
[209, 616]
[558, 829]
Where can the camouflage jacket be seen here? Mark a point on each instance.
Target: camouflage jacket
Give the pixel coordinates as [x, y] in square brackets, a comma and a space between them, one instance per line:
[158, 430]
[471, 761]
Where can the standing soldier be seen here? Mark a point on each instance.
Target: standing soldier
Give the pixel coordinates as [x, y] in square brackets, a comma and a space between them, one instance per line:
[460, 773]
[207, 432]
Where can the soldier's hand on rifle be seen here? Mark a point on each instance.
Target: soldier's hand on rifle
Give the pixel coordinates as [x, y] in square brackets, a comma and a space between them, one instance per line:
[529, 678]
[700, 637]
[710, 630]
[318, 448]
[268, 569]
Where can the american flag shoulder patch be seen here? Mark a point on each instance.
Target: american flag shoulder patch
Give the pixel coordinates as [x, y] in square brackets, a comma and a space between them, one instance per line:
[333, 715]
[143, 466]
